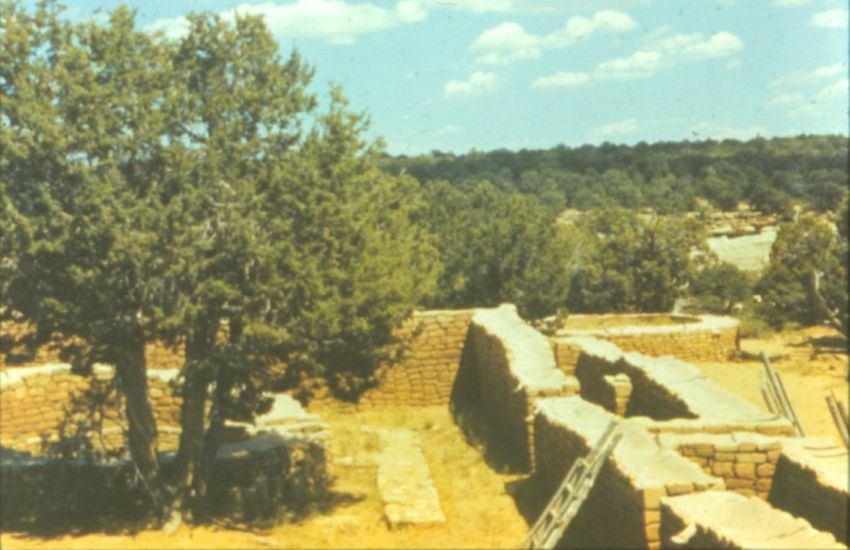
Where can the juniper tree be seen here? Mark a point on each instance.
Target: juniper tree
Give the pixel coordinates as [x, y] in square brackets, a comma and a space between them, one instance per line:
[188, 191]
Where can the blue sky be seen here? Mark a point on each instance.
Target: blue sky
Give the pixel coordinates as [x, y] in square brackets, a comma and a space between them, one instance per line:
[455, 75]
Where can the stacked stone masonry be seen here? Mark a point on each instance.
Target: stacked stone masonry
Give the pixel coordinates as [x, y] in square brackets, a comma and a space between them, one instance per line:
[513, 367]
[667, 395]
[157, 354]
[704, 338]
[745, 461]
[628, 492]
[432, 344]
[280, 462]
[35, 403]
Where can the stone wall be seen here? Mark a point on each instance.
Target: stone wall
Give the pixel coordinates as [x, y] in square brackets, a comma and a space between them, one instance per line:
[745, 461]
[157, 354]
[36, 401]
[708, 338]
[623, 507]
[251, 480]
[667, 395]
[725, 520]
[811, 482]
[511, 367]
[432, 344]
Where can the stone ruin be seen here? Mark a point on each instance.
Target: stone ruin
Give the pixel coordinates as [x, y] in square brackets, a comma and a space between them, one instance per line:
[697, 466]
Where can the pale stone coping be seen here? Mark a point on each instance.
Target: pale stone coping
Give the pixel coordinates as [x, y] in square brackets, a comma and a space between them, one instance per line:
[770, 424]
[442, 312]
[724, 443]
[822, 456]
[702, 397]
[17, 375]
[594, 347]
[646, 463]
[745, 522]
[530, 356]
[704, 323]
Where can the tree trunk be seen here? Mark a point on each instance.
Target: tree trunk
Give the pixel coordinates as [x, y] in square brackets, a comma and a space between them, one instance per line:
[190, 451]
[141, 424]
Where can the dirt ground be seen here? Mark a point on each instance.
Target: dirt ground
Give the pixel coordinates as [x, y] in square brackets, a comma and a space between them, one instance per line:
[811, 362]
[480, 511]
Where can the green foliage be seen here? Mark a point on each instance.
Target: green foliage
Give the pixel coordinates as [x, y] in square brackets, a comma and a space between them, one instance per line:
[666, 176]
[804, 249]
[497, 247]
[630, 264]
[719, 287]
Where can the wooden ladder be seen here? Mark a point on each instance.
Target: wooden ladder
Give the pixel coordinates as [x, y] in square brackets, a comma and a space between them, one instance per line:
[839, 416]
[773, 392]
[553, 522]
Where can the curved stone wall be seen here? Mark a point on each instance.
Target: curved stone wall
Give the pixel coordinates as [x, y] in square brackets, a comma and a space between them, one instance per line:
[699, 338]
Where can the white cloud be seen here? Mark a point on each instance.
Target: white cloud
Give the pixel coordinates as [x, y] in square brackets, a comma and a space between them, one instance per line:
[335, 21]
[510, 41]
[474, 6]
[663, 51]
[478, 83]
[506, 43]
[830, 19]
[791, 3]
[783, 100]
[174, 27]
[831, 100]
[619, 128]
[809, 78]
[561, 80]
[640, 64]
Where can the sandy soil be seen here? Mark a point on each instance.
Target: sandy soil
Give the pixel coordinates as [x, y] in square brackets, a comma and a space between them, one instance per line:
[475, 499]
[810, 363]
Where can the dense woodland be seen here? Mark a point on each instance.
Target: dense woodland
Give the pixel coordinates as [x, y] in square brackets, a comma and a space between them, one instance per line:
[669, 177]
[185, 190]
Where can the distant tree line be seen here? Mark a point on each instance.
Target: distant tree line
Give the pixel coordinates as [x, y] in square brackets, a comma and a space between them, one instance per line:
[669, 177]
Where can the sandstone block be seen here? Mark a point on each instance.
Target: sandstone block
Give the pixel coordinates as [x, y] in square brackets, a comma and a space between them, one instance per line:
[765, 470]
[722, 469]
[745, 470]
[756, 458]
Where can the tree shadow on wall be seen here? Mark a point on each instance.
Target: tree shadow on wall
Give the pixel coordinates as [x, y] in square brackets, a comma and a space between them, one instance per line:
[478, 429]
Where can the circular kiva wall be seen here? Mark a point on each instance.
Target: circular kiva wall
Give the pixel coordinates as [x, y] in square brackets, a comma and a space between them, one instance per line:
[687, 337]
[38, 403]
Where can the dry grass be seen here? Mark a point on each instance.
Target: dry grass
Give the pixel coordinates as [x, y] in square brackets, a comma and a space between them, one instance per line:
[479, 512]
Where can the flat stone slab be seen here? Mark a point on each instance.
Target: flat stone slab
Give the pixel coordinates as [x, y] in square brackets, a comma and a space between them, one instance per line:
[730, 520]
[404, 481]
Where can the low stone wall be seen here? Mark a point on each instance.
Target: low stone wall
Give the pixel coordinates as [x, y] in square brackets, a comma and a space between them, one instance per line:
[35, 403]
[707, 338]
[279, 462]
[432, 346]
[745, 461]
[667, 395]
[512, 367]
[623, 507]
[811, 482]
[157, 354]
[726, 520]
